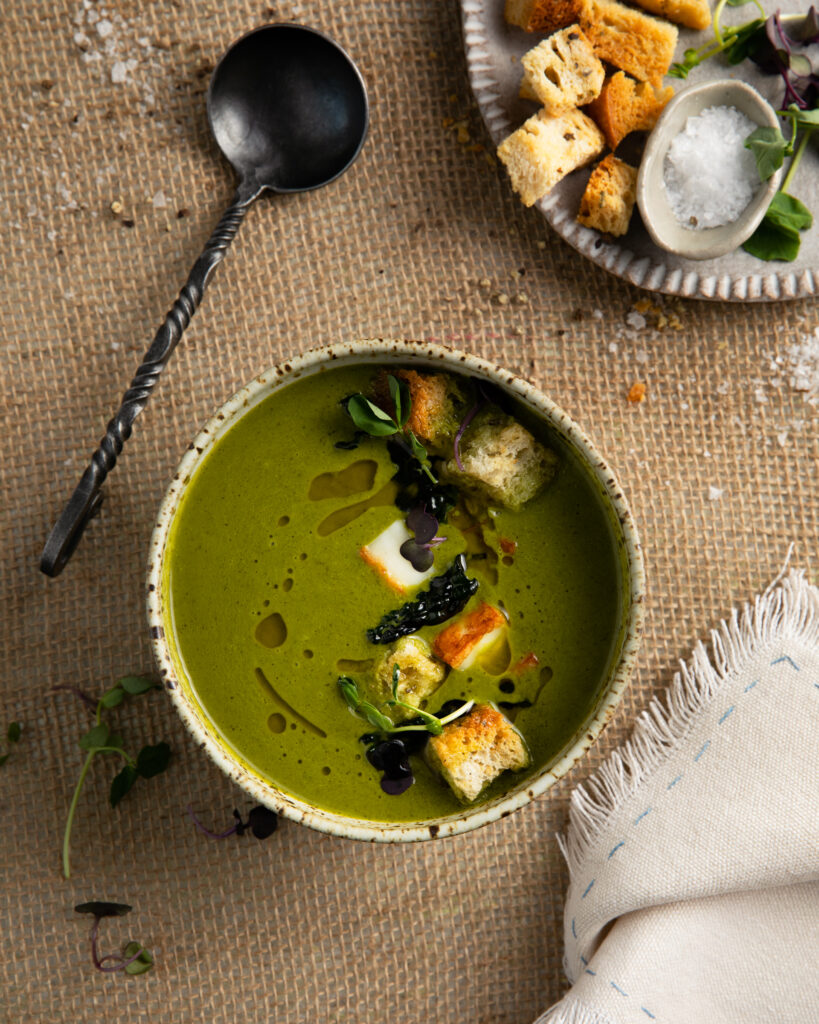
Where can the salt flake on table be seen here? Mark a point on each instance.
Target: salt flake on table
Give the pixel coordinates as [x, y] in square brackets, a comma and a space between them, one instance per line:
[714, 493]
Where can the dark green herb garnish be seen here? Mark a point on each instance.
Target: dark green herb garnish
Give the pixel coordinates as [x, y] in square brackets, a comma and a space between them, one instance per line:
[422, 721]
[445, 596]
[134, 959]
[261, 821]
[371, 419]
[416, 488]
[150, 761]
[12, 736]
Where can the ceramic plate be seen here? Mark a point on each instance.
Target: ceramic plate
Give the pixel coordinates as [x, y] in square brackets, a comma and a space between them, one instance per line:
[493, 51]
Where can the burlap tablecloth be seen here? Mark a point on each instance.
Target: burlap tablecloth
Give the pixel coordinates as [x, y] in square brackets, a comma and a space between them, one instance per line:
[421, 239]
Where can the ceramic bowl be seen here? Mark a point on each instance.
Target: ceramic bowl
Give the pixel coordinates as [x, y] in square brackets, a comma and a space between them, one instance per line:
[656, 212]
[624, 538]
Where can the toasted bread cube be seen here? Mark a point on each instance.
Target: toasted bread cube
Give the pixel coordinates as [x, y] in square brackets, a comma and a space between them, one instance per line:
[608, 201]
[628, 39]
[419, 674]
[546, 149]
[436, 404]
[501, 461]
[541, 15]
[691, 13]
[474, 749]
[460, 644]
[563, 71]
[383, 555]
[625, 106]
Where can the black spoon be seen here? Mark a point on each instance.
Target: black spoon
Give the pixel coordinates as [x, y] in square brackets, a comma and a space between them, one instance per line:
[288, 108]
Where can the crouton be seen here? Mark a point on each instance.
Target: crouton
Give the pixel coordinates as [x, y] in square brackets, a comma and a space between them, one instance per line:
[546, 148]
[625, 106]
[463, 640]
[419, 674]
[501, 461]
[628, 39]
[383, 554]
[562, 71]
[541, 15]
[691, 13]
[609, 198]
[474, 749]
[436, 402]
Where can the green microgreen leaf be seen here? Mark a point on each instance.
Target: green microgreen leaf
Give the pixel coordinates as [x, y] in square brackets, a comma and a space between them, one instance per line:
[362, 707]
[769, 147]
[153, 760]
[367, 416]
[400, 395]
[97, 736]
[789, 212]
[144, 962]
[773, 242]
[135, 685]
[3, 759]
[121, 784]
[112, 698]
[13, 733]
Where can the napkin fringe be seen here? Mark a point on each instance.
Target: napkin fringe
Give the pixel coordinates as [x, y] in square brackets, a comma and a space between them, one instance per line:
[789, 607]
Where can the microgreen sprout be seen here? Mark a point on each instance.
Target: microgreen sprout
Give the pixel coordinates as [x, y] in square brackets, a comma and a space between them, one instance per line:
[134, 959]
[261, 821]
[372, 419]
[365, 709]
[12, 737]
[99, 739]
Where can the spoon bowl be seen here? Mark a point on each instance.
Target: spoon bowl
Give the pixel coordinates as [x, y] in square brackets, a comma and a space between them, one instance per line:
[288, 108]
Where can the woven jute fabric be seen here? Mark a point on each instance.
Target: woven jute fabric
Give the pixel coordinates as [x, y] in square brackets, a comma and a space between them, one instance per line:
[110, 186]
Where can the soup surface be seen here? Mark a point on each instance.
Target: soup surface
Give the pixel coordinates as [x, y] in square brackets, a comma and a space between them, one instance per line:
[271, 600]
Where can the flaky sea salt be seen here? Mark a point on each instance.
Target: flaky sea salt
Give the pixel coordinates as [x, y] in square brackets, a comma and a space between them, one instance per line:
[803, 366]
[708, 175]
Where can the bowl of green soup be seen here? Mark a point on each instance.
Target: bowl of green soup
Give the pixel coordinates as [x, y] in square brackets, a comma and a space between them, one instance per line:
[394, 591]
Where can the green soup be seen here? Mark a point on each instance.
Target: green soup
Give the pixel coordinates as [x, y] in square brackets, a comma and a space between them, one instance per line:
[271, 601]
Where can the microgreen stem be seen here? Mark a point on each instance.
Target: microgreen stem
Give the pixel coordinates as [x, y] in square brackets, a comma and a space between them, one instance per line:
[797, 156]
[462, 710]
[120, 962]
[71, 810]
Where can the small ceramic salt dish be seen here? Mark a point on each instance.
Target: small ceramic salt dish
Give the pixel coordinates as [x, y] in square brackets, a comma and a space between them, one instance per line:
[652, 198]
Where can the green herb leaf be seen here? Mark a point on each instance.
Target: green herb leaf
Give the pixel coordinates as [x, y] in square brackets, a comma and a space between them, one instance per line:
[3, 759]
[135, 685]
[122, 783]
[113, 697]
[144, 961]
[400, 394]
[153, 760]
[13, 734]
[369, 417]
[95, 737]
[361, 707]
[769, 148]
[773, 242]
[789, 212]
[746, 41]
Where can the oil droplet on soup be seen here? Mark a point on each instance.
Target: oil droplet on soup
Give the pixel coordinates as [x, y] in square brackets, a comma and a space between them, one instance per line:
[354, 479]
[272, 632]
[277, 722]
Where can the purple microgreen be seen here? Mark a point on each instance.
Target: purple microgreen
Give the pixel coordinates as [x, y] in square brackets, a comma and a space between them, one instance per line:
[99, 739]
[456, 447]
[261, 821]
[111, 962]
[422, 524]
[419, 556]
[806, 30]
[83, 696]
[395, 787]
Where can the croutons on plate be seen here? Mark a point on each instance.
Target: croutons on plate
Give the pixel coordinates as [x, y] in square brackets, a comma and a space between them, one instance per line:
[562, 71]
[625, 105]
[419, 674]
[541, 15]
[629, 39]
[475, 749]
[546, 148]
[501, 461]
[608, 201]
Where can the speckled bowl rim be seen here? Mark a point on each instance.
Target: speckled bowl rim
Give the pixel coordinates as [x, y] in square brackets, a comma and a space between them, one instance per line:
[376, 352]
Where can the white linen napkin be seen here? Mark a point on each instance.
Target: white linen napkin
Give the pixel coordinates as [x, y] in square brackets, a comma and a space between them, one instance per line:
[694, 852]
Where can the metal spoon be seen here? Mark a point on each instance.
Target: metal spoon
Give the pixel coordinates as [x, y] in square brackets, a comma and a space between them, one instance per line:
[288, 108]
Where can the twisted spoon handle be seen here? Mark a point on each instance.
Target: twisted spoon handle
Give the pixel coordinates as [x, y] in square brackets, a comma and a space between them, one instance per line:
[85, 502]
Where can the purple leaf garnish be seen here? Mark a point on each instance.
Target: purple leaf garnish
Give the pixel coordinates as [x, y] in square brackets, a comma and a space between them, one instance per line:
[261, 821]
[418, 555]
[422, 524]
[395, 787]
[110, 961]
[418, 549]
